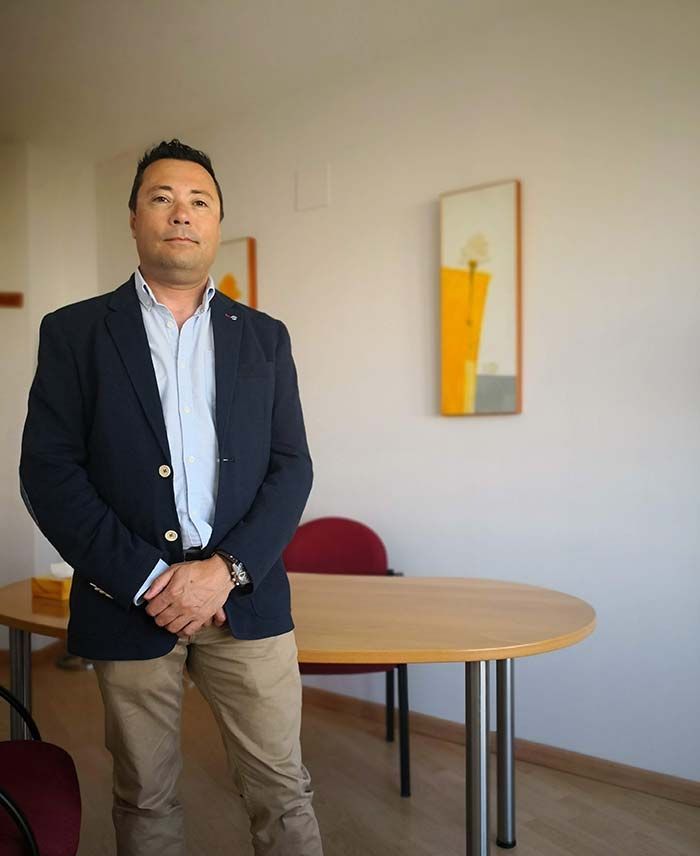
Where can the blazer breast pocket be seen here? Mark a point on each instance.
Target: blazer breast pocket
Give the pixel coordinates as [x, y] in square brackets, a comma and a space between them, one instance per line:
[256, 371]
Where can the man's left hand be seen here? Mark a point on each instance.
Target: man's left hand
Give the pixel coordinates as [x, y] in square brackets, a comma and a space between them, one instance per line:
[184, 598]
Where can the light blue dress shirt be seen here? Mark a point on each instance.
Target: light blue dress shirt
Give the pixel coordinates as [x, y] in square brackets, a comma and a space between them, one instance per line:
[184, 365]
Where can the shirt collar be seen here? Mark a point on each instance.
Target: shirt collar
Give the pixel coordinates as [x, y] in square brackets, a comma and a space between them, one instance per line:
[148, 299]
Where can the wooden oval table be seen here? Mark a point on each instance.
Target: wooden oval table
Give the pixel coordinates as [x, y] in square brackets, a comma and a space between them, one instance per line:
[361, 619]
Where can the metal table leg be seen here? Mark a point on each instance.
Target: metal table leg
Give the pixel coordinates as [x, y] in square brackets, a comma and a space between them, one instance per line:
[477, 728]
[390, 706]
[506, 768]
[403, 731]
[20, 679]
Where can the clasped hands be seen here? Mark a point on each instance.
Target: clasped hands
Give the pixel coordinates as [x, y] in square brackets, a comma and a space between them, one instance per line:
[189, 596]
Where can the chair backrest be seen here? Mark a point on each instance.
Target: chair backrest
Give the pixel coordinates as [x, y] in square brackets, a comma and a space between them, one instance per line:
[335, 545]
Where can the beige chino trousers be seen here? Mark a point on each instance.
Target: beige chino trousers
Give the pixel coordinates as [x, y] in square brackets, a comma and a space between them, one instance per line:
[254, 690]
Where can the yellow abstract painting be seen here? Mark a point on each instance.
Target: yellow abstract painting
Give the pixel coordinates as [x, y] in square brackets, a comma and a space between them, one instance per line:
[480, 301]
[235, 270]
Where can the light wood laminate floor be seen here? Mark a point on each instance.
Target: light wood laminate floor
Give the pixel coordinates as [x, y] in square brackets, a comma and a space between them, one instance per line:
[355, 777]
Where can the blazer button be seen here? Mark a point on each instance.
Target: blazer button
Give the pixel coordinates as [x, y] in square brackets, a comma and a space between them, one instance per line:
[164, 471]
[171, 535]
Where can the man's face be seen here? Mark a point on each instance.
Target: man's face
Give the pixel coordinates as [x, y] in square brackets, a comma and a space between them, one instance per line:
[176, 223]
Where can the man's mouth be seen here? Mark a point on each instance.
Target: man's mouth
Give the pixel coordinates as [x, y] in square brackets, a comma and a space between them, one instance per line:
[182, 240]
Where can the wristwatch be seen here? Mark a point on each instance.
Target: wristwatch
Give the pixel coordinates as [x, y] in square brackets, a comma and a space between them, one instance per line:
[236, 568]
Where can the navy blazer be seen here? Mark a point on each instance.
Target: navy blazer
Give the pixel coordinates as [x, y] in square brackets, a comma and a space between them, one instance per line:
[93, 443]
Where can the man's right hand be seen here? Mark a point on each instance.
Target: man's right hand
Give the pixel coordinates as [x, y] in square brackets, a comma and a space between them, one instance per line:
[218, 618]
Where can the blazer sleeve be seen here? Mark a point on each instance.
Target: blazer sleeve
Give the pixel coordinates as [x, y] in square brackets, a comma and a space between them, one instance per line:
[54, 482]
[261, 535]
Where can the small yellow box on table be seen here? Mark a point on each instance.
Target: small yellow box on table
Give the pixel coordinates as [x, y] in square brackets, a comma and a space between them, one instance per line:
[50, 587]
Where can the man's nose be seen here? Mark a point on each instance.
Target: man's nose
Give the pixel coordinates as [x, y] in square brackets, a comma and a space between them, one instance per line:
[180, 216]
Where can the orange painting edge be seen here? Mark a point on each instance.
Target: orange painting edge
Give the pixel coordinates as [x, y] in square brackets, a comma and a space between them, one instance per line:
[11, 299]
[252, 273]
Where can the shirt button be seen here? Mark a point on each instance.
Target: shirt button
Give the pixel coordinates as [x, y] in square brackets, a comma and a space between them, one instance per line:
[164, 471]
[171, 535]
[190, 459]
[187, 409]
[171, 324]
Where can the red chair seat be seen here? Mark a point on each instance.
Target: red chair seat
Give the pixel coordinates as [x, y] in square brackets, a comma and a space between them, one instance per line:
[339, 545]
[336, 545]
[42, 781]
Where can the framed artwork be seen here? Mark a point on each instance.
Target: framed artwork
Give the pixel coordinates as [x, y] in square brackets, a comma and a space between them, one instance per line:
[480, 300]
[13, 299]
[235, 270]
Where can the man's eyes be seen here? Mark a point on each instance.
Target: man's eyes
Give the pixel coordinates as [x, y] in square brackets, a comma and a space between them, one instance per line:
[165, 199]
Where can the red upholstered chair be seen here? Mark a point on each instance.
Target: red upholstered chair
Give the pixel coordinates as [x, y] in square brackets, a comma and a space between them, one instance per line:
[338, 545]
[39, 795]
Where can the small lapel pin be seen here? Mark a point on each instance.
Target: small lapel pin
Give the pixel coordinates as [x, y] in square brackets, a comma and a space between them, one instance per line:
[232, 317]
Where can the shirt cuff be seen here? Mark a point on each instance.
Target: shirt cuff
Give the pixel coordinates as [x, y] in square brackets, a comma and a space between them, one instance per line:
[155, 573]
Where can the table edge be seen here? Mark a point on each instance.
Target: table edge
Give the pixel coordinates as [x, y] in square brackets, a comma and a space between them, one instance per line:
[426, 655]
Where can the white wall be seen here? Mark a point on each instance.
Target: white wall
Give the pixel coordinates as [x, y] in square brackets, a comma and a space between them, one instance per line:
[48, 237]
[594, 489]
[62, 252]
[16, 527]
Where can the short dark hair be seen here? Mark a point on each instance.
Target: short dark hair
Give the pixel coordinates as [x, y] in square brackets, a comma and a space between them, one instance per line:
[177, 151]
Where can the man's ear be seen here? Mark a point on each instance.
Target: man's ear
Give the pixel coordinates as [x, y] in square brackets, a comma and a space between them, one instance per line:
[132, 221]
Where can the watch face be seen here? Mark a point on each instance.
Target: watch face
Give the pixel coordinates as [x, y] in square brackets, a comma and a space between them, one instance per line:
[241, 573]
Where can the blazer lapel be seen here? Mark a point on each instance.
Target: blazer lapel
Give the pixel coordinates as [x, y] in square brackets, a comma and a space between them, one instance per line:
[227, 326]
[126, 328]
[125, 325]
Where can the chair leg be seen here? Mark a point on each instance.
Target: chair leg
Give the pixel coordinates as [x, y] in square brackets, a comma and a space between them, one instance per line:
[390, 706]
[403, 731]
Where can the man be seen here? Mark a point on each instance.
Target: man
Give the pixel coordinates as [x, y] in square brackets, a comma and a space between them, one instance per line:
[164, 455]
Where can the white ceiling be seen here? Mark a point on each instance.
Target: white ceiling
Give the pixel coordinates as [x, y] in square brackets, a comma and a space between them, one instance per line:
[107, 75]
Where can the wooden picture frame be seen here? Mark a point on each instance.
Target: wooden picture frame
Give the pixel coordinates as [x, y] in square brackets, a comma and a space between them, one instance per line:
[481, 300]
